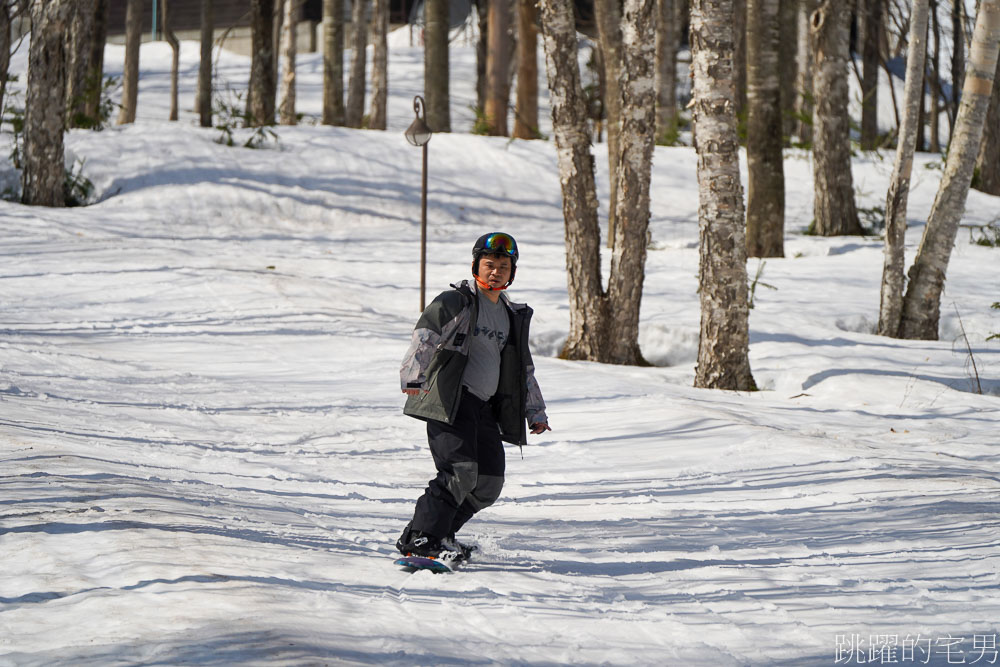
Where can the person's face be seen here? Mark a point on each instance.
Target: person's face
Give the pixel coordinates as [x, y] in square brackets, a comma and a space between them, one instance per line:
[494, 270]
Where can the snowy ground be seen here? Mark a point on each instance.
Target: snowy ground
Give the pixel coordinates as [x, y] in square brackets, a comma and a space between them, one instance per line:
[204, 459]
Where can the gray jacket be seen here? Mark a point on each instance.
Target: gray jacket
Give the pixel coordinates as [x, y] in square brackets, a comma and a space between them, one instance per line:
[435, 362]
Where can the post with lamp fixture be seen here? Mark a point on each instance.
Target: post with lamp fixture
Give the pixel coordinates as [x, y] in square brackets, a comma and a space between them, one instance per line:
[419, 134]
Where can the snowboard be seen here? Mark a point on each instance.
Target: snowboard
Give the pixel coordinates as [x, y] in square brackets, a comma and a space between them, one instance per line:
[414, 563]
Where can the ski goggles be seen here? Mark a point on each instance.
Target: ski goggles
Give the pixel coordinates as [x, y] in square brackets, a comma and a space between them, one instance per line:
[501, 242]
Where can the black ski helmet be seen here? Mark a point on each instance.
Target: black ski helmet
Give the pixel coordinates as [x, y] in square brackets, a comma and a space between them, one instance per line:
[495, 243]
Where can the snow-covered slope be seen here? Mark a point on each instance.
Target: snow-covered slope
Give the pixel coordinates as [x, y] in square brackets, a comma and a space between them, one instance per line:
[204, 459]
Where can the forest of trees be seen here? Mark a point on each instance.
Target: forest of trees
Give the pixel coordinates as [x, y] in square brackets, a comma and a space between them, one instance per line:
[766, 75]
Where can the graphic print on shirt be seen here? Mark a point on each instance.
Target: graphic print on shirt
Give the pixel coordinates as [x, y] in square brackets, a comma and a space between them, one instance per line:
[499, 336]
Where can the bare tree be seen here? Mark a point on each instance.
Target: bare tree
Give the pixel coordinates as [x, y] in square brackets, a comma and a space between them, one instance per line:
[130, 77]
[333, 62]
[498, 55]
[666, 69]
[723, 344]
[805, 100]
[263, 87]
[740, 54]
[766, 184]
[78, 52]
[6, 18]
[380, 65]
[957, 58]
[922, 303]
[205, 65]
[289, 39]
[988, 162]
[834, 209]
[788, 43]
[891, 305]
[175, 48]
[45, 105]
[603, 324]
[483, 16]
[870, 73]
[934, 57]
[359, 64]
[526, 109]
[607, 14]
[436, 71]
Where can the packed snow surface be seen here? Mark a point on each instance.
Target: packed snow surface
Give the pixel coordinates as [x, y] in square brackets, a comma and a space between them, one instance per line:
[203, 458]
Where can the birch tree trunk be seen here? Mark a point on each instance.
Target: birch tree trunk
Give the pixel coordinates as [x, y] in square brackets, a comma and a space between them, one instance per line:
[608, 17]
[436, 75]
[205, 64]
[723, 344]
[79, 50]
[588, 307]
[869, 77]
[175, 50]
[833, 208]
[988, 163]
[333, 62]
[666, 70]
[377, 117]
[497, 67]
[130, 76]
[805, 100]
[526, 110]
[289, 48]
[263, 88]
[922, 303]
[638, 136]
[891, 303]
[45, 106]
[359, 64]
[766, 184]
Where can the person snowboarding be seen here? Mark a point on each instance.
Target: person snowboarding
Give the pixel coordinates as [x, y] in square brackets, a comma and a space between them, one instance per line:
[468, 373]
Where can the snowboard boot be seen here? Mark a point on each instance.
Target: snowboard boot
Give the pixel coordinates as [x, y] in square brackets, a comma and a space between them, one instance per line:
[417, 543]
[452, 543]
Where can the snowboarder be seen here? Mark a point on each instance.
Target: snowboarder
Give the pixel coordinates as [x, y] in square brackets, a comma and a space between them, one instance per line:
[468, 373]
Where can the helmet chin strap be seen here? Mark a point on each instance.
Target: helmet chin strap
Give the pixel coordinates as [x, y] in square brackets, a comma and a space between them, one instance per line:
[486, 286]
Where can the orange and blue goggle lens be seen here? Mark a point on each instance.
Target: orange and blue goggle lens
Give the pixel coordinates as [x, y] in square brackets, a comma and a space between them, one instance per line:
[501, 243]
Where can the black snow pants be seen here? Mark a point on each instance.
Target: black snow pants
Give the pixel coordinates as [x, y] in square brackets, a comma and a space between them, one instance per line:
[469, 458]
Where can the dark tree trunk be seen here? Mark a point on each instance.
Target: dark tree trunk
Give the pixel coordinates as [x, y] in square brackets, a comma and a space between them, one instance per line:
[333, 62]
[380, 65]
[45, 106]
[498, 67]
[359, 64]
[436, 72]
[263, 85]
[834, 207]
[5, 24]
[205, 65]
[526, 111]
[766, 191]
[666, 70]
[130, 78]
[175, 48]
[607, 13]
[482, 51]
[79, 50]
[870, 72]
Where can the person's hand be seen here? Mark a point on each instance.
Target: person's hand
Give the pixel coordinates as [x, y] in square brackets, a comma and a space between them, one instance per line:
[540, 427]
